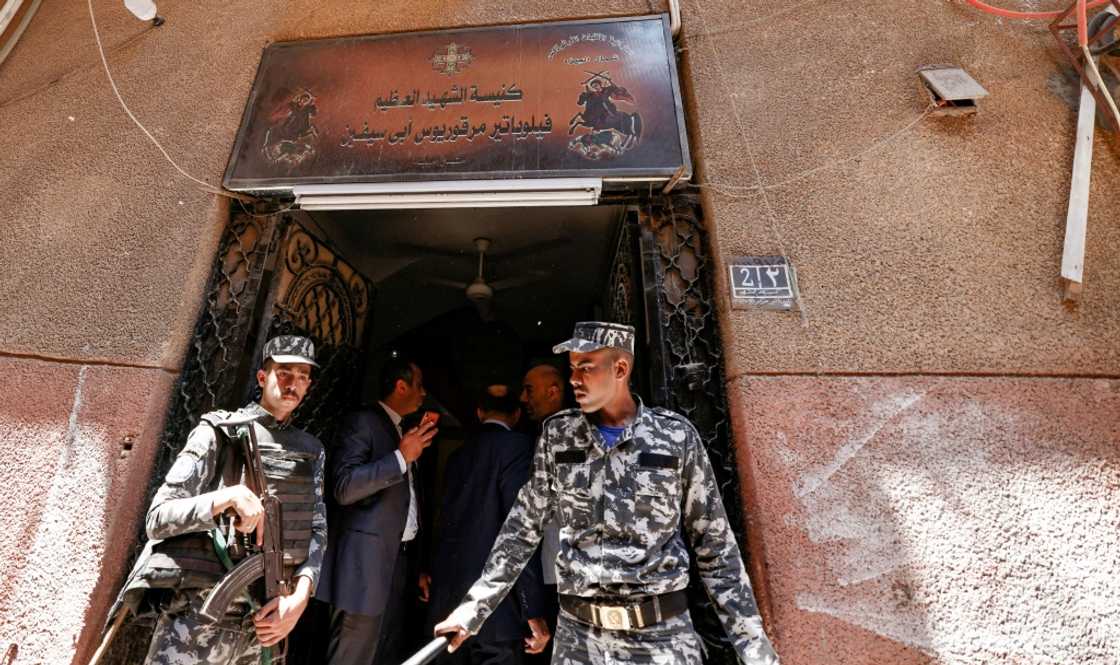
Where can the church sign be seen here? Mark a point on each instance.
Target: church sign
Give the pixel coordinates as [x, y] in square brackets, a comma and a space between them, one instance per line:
[569, 99]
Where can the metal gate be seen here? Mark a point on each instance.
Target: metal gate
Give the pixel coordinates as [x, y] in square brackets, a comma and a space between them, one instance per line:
[661, 283]
[271, 276]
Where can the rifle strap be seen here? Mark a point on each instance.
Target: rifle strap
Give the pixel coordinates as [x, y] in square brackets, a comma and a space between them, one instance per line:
[221, 548]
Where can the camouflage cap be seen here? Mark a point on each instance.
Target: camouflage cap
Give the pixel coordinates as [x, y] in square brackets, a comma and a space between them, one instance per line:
[594, 335]
[290, 349]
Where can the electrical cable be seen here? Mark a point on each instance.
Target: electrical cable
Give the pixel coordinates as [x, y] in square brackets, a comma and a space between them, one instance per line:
[1011, 13]
[727, 188]
[105, 62]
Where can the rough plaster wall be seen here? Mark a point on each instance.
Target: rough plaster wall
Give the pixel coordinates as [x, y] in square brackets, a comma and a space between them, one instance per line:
[59, 538]
[972, 520]
[67, 489]
[935, 252]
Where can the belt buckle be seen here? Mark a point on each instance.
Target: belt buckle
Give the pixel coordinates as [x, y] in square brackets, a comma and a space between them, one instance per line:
[612, 617]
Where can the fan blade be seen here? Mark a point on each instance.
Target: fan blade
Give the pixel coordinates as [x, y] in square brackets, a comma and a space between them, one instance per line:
[439, 281]
[521, 280]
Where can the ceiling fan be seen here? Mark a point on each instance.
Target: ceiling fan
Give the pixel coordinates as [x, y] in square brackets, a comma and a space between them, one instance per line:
[480, 291]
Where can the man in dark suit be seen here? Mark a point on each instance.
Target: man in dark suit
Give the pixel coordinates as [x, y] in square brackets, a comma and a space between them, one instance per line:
[367, 572]
[542, 394]
[483, 479]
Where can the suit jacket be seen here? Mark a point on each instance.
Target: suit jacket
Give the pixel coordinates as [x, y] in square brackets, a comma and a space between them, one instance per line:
[371, 506]
[483, 479]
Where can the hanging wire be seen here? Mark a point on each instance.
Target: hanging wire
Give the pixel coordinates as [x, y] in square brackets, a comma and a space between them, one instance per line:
[112, 83]
[729, 189]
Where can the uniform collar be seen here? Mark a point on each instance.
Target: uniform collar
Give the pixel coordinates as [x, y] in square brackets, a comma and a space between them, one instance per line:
[494, 421]
[263, 416]
[628, 431]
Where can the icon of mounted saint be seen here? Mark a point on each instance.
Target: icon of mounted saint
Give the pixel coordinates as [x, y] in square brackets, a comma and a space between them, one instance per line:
[605, 132]
[291, 137]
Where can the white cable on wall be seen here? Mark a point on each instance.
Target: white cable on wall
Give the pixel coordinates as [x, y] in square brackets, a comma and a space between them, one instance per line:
[105, 62]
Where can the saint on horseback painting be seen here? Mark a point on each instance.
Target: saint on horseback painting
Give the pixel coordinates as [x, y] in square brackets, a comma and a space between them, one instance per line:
[605, 132]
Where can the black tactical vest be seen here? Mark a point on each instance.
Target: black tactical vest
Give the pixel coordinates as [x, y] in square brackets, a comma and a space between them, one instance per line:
[189, 561]
[291, 478]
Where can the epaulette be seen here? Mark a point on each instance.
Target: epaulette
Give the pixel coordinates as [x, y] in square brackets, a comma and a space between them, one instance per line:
[216, 418]
[668, 413]
[563, 413]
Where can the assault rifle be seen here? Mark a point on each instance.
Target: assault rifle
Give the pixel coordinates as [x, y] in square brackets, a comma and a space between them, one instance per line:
[268, 560]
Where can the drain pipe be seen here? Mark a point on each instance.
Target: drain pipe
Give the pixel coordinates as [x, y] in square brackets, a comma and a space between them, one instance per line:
[674, 18]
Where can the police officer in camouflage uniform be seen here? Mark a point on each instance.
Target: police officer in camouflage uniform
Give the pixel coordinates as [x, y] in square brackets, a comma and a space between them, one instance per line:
[633, 491]
[179, 564]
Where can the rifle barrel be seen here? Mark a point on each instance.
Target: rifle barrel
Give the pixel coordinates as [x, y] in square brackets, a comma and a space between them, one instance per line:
[428, 653]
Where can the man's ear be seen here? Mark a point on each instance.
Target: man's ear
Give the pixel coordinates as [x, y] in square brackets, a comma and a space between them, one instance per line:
[621, 368]
[400, 387]
[261, 377]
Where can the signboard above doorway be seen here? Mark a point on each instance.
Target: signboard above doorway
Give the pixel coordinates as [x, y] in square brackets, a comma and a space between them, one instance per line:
[576, 99]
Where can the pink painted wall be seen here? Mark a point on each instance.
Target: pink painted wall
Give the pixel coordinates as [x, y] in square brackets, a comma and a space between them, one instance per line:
[950, 520]
[72, 493]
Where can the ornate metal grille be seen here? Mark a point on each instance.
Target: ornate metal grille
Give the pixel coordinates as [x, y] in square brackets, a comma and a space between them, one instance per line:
[318, 294]
[619, 298]
[687, 362]
[313, 292]
[622, 301]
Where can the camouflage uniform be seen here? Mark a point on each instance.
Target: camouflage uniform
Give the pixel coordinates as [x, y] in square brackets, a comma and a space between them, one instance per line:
[182, 637]
[625, 513]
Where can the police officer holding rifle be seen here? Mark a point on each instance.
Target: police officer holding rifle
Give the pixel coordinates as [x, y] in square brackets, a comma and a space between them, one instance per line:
[243, 501]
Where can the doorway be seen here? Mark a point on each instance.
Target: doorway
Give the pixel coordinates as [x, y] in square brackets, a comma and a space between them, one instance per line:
[366, 284]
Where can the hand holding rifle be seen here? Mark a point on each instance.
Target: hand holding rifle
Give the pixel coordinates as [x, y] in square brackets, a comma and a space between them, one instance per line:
[279, 615]
[246, 505]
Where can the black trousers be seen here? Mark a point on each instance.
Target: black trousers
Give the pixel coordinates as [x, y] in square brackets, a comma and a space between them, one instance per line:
[397, 628]
[357, 639]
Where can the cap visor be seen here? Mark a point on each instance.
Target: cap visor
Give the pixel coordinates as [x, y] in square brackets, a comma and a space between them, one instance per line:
[578, 345]
[294, 359]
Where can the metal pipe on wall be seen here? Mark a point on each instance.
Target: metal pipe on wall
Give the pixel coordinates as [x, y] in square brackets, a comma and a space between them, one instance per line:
[674, 18]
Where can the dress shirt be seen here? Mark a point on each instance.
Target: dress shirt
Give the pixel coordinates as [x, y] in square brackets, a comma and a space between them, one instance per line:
[411, 525]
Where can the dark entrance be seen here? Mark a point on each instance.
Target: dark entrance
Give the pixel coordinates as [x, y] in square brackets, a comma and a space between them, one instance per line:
[352, 281]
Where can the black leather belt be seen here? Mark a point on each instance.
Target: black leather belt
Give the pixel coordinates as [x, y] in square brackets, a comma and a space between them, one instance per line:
[625, 613]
